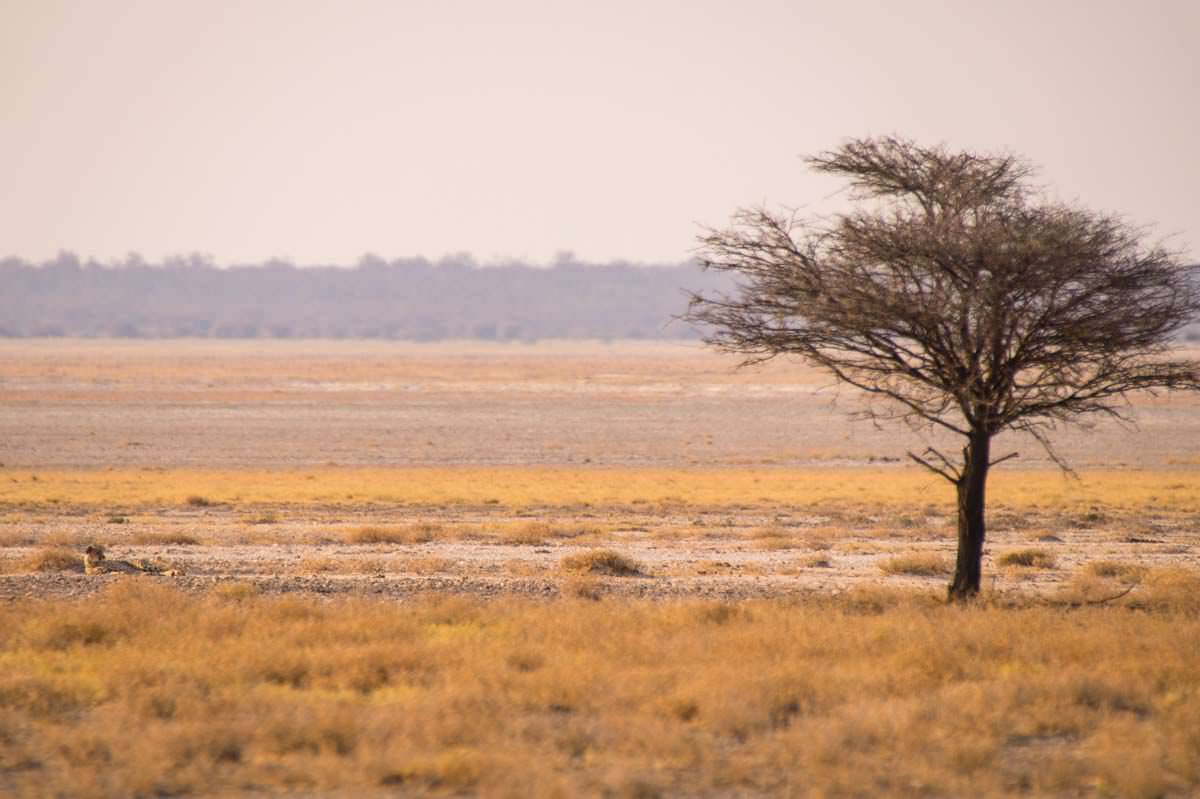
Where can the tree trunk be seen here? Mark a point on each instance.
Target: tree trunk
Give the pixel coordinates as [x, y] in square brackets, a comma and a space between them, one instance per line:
[971, 487]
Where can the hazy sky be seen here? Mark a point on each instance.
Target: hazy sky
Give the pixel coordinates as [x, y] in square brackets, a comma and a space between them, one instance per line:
[318, 131]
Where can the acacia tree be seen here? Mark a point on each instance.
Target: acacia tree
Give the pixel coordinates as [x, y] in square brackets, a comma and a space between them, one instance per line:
[962, 298]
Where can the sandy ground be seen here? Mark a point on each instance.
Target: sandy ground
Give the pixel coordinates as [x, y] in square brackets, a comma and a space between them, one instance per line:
[716, 553]
[66, 404]
[267, 404]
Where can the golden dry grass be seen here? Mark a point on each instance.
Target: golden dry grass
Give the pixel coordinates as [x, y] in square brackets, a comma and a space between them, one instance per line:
[582, 586]
[317, 564]
[919, 564]
[153, 538]
[878, 693]
[51, 559]
[16, 538]
[1168, 589]
[1120, 570]
[774, 537]
[1164, 589]
[1026, 558]
[418, 533]
[536, 533]
[891, 488]
[602, 561]
[322, 565]
[526, 534]
[359, 566]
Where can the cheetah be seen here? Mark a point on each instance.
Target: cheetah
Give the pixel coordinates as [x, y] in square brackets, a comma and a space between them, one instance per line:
[94, 562]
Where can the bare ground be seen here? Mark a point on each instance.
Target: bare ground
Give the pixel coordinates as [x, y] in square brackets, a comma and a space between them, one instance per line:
[97, 404]
[687, 552]
[93, 405]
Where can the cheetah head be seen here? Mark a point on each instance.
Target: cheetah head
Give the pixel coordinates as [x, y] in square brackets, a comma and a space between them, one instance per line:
[93, 554]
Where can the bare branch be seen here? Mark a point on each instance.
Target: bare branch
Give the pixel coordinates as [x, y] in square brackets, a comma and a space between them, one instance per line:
[1102, 601]
[1009, 456]
[1051, 453]
[947, 471]
[1112, 598]
[964, 301]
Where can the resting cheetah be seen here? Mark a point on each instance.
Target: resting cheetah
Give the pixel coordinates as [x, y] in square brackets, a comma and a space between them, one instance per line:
[94, 562]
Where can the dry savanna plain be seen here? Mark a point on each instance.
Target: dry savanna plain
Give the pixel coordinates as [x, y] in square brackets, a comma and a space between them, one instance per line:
[569, 569]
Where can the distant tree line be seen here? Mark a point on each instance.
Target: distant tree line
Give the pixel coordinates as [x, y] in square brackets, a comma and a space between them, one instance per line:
[410, 298]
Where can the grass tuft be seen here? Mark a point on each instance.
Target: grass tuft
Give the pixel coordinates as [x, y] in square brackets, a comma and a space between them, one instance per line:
[1026, 558]
[161, 539]
[602, 561]
[418, 533]
[52, 559]
[1114, 569]
[537, 533]
[527, 534]
[319, 565]
[774, 537]
[919, 564]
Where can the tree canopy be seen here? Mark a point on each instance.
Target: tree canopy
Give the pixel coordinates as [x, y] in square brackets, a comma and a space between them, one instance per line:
[958, 293]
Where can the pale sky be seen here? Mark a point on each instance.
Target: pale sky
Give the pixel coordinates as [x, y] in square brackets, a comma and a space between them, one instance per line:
[319, 131]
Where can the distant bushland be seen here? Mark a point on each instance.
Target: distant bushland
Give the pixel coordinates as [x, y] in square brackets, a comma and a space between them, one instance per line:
[408, 299]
